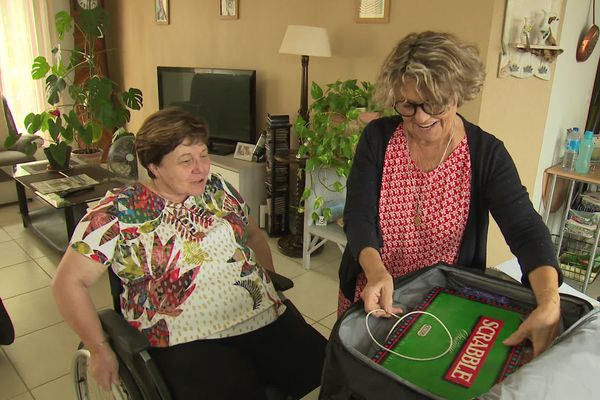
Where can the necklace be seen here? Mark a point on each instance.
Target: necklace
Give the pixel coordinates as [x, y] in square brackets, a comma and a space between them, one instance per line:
[418, 209]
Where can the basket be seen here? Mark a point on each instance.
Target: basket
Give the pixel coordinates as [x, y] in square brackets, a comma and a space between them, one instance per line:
[574, 257]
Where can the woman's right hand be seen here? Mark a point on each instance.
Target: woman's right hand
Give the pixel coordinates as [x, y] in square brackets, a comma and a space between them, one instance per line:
[378, 292]
[104, 366]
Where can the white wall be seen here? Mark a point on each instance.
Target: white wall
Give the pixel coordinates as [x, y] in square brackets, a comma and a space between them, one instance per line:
[571, 90]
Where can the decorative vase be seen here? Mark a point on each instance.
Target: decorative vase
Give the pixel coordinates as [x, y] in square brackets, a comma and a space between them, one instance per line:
[53, 164]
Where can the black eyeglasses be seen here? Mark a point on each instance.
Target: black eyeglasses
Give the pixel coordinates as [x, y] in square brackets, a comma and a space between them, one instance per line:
[408, 108]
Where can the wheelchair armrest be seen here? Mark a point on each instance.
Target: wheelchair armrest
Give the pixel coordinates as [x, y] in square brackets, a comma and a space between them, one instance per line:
[122, 335]
[280, 282]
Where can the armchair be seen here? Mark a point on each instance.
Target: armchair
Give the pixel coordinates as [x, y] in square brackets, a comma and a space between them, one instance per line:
[18, 152]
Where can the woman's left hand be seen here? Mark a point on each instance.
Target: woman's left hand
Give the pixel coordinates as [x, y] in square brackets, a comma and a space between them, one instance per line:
[541, 328]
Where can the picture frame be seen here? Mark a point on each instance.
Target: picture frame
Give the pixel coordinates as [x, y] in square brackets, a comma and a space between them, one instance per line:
[229, 9]
[244, 151]
[372, 11]
[161, 12]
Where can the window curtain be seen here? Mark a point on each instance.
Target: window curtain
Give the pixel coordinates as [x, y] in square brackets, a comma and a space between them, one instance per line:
[24, 34]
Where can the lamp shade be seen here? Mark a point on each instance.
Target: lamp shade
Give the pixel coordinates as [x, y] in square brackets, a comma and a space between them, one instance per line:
[305, 41]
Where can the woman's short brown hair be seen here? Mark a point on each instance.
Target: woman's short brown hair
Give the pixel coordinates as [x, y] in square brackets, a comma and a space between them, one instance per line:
[444, 69]
[164, 130]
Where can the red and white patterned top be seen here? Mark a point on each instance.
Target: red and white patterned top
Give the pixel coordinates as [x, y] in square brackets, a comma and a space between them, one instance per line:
[443, 196]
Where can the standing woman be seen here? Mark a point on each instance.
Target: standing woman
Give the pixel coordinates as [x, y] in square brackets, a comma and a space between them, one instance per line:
[193, 264]
[423, 182]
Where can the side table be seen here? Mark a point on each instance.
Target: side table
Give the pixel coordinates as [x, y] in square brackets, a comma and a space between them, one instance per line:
[46, 222]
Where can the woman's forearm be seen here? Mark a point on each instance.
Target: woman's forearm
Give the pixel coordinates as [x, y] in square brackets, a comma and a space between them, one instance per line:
[544, 283]
[371, 262]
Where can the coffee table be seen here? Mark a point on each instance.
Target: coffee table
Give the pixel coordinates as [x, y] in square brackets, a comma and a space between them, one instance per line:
[55, 223]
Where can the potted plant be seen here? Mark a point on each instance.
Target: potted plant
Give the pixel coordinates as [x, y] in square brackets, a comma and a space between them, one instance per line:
[79, 111]
[328, 140]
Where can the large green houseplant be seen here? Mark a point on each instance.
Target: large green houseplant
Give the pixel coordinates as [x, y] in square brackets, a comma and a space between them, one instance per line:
[328, 140]
[79, 111]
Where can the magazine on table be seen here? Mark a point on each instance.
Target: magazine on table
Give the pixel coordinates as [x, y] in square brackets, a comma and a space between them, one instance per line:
[64, 185]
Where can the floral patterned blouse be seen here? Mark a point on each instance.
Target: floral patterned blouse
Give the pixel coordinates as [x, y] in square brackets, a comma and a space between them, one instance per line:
[186, 268]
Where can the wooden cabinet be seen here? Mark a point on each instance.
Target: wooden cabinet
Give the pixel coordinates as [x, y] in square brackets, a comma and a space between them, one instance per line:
[246, 176]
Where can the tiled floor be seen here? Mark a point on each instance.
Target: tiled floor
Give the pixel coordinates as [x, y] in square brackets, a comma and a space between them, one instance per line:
[36, 366]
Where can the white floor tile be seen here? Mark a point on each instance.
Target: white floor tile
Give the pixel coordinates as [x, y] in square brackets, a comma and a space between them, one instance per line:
[314, 294]
[32, 311]
[329, 321]
[4, 237]
[10, 383]
[314, 395]
[61, 388]
[49, 264]
[286, 266]
[12, 253]
[24, 396]
[21, 278]
[44, 355]
[34, 246]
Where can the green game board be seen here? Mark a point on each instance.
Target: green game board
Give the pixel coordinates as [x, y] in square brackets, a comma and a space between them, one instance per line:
[478, 358]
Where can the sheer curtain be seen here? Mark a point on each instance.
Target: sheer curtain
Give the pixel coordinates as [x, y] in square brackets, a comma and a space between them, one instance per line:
[24, 34]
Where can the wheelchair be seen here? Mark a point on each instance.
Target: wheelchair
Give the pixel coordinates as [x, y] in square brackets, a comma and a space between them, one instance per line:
[140, 378]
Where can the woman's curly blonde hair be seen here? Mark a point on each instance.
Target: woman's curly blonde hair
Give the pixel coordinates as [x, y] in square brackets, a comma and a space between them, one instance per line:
[444, 69]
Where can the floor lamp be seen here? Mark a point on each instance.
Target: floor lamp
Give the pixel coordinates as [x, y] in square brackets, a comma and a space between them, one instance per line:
[304, 41]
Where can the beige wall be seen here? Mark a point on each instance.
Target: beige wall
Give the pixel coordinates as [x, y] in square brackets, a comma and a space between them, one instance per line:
[197, 37]
[514, 110]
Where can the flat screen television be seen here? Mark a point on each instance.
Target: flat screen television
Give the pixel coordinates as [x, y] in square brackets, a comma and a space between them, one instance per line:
[224, 98]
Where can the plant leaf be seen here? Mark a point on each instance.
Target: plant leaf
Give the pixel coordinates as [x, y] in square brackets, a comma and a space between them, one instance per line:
[133, 98]
[93, 22]
[33, 122]
[315, 91]
[63, 23]
[54, 85]
[39, 68]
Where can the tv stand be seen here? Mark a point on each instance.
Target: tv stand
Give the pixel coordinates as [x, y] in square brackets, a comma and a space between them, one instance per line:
[221, 149]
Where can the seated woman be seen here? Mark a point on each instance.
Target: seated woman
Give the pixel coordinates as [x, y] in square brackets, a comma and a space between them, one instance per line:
[424, 182]
[192, 263]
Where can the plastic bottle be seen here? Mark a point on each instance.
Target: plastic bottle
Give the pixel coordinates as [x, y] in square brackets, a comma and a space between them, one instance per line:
[586, 147]
[571, 149]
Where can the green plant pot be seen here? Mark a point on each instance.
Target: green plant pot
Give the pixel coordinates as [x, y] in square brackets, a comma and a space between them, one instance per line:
[53, 164]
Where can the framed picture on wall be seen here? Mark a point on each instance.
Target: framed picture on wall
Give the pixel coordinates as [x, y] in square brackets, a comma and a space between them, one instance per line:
[372, 11]
[228, 9]
[161, 11]
[244, 151]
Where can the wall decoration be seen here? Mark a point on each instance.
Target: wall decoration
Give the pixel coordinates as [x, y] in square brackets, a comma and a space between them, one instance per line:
[529, 41]
[370, 11]
[161, 11]
[228, 9]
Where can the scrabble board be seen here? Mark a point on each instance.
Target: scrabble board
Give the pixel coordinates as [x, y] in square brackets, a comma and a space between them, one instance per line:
[478, 322]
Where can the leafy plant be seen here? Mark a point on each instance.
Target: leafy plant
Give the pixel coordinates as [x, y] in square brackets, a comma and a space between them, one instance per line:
[79, 111]
[329, 139]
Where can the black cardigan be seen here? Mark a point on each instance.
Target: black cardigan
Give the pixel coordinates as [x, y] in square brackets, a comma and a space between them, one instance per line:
[495, 187]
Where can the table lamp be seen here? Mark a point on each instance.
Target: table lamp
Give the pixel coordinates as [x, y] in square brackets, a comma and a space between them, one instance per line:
[304, 41]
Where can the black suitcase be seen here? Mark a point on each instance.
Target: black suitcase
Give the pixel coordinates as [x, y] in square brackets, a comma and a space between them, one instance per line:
[349, 373]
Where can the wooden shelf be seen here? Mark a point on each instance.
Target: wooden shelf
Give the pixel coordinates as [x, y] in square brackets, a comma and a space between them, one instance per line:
[535, 46]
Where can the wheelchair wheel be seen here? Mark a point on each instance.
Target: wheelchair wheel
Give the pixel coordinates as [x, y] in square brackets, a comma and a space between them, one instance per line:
[86, 387]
